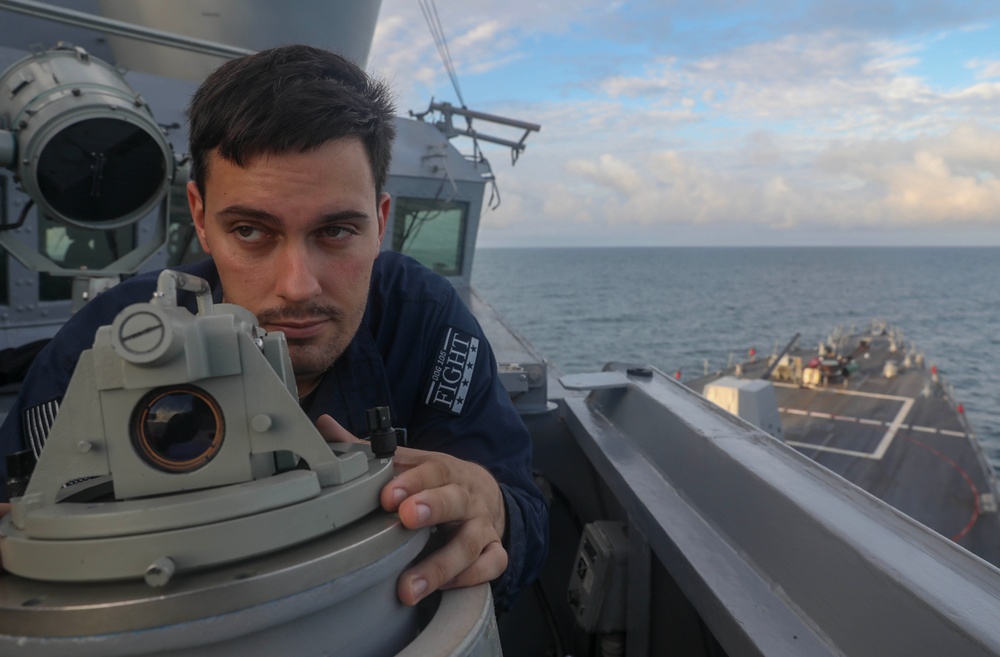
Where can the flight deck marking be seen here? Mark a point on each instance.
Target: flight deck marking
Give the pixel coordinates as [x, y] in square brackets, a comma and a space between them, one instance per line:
[893, 427]
[856, 393]
[832, 450]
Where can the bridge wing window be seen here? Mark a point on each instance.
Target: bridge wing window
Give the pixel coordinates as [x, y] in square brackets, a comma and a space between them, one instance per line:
[77, 248]
[432, 231]
[183, 246]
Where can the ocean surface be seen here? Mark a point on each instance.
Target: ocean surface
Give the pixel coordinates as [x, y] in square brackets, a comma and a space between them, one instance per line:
[676, 308]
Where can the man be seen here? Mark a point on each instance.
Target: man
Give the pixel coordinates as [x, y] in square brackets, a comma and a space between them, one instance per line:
[290, 152]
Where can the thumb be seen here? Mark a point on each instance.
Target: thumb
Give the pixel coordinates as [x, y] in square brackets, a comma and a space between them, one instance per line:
[332, 432]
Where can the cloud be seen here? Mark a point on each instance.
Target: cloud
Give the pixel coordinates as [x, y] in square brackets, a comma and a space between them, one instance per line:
[927, 190]
[857, 82]
[781, 128]
[984, 91]
[812, 76]
[404, 47]
[953, 180]
[658, 78]
[479, 38]
[987, 68]
[950, 179]
[762, 148]
[610, 187]
[846, 94]
[609, 170]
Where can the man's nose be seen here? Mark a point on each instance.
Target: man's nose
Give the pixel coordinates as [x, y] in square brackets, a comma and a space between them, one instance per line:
[296, 280]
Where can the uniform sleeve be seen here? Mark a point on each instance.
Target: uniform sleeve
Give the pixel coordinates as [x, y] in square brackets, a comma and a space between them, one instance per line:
[34, 410]
[438, 356]
[31, 416]
[490, 432]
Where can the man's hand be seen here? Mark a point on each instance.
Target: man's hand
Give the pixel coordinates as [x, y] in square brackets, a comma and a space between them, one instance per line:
[431, 488]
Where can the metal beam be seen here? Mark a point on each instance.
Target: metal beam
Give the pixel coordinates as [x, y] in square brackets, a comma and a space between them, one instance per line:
[120, 28]
[779, 555]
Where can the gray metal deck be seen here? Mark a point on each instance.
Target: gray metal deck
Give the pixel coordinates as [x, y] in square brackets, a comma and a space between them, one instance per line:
[901, 438]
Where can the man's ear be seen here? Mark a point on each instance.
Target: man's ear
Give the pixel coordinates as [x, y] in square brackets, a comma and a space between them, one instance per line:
[197, 205]
[384, 203]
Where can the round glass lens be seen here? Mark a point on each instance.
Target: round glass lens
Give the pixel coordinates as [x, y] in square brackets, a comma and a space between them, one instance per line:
[178, 429]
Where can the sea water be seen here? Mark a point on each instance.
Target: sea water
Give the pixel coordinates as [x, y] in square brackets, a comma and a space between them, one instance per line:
[682, 309]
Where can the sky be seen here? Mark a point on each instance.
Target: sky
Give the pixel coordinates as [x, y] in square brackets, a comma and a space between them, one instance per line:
[750, 122]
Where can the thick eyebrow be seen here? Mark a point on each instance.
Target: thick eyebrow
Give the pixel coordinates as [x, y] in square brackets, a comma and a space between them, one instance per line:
[245, 212]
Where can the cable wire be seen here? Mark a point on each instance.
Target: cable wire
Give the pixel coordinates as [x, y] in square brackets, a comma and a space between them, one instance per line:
[429, 10]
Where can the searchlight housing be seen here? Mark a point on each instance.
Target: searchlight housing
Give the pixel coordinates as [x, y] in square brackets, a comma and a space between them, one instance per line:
[85, 148]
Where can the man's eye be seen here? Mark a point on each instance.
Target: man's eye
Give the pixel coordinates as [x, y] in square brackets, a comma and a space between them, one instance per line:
[337, 232]
[248, 233]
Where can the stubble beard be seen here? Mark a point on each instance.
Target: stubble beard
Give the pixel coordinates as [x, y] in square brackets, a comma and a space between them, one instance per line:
[313, 357]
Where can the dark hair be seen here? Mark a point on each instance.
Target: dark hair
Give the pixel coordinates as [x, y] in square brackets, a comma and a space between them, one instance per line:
[292, 97]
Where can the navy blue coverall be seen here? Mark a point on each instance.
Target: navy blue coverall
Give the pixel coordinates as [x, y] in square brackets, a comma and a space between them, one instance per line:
[415, 339]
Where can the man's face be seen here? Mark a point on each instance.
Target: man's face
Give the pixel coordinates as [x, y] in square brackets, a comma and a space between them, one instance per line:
[294, 236]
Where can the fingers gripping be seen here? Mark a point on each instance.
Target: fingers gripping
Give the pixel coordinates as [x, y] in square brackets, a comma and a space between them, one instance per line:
[431, 488]
[454, 490]
[472, 555]
[437, 489]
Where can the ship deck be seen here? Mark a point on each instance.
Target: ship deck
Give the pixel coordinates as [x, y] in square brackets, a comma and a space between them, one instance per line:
[900, 437]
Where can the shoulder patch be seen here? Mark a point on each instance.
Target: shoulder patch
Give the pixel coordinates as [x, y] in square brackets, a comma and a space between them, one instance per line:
[36, 422]
[451, 376]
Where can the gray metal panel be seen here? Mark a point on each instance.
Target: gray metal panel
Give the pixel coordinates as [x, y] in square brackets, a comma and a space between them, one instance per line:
[24, 32]
[345, 27]
[318, 598]
[421, 151]
[780, 556]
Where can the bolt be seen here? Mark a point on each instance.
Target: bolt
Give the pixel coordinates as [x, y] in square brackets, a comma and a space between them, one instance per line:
[261, 423]
[160, 571]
